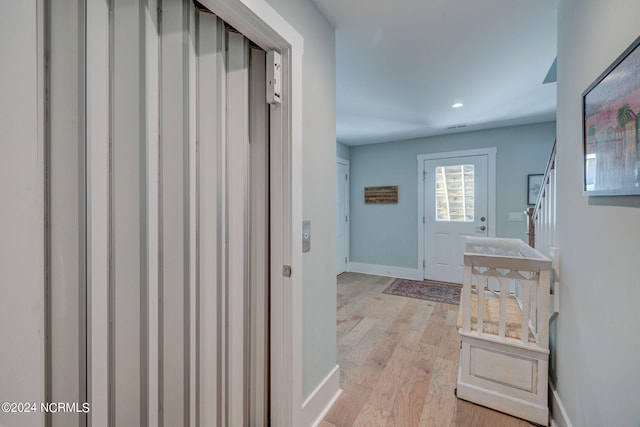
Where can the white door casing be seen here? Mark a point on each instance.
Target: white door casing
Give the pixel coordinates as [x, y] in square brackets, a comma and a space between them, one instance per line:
[342, 215]
[442, 237]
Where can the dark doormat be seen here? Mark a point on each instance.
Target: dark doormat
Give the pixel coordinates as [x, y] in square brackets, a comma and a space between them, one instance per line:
[429, 290]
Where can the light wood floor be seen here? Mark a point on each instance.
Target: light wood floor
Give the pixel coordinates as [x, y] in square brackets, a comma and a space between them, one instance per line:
[398, 361]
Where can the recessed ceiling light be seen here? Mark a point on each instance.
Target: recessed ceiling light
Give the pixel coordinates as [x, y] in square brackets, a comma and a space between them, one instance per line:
[457, 105]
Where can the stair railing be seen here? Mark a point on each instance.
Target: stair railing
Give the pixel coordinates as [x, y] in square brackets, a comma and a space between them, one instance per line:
[542, 223]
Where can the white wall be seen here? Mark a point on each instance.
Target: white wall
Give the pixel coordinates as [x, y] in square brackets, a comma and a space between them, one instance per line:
[21, 215]
[318, 186]
[597, 344]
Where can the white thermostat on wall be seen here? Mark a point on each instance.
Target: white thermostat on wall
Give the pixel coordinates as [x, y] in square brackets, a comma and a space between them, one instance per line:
[274, 77]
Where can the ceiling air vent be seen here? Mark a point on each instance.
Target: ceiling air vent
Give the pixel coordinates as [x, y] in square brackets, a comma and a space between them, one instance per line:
[456, 127]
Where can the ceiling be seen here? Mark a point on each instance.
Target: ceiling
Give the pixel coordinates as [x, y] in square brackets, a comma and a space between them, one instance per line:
[402, 64]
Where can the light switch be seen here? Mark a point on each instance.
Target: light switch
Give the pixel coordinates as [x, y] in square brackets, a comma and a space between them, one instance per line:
[515, 217]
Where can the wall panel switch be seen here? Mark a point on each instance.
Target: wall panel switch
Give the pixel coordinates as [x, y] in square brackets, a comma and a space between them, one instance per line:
[306, 236]
[515, 217]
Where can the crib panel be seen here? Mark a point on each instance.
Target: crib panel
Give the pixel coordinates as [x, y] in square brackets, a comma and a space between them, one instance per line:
[514, 372]
[504, 353]
[497, 390]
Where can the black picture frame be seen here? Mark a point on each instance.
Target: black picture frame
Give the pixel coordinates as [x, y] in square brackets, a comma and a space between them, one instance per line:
[534, 185]
[611, 128]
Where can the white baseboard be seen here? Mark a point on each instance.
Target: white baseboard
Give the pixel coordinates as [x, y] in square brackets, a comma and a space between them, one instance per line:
[559, 417]
[322, 399]
[385, 270]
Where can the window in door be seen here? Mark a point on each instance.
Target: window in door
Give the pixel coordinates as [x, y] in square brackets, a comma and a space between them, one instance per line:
[454, 193]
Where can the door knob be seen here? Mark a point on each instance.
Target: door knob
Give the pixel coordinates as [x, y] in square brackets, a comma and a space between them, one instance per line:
[482, 228]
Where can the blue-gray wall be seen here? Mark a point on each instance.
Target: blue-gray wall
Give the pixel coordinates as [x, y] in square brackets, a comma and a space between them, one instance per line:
[597, 347]
[388, 234]
[343, 151]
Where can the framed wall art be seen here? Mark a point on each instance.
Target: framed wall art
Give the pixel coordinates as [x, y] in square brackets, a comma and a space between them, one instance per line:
[534, 184]
[381, 195]
[611, 128]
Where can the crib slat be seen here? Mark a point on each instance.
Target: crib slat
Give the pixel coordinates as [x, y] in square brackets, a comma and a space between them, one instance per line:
[482, 282]
[533, 314]
[526, 310]
[504, 294]
[466, 299]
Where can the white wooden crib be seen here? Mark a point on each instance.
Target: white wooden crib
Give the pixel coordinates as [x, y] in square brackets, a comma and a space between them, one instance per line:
[504, 325]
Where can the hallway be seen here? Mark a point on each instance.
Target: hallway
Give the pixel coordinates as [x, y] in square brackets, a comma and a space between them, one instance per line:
[399, 361]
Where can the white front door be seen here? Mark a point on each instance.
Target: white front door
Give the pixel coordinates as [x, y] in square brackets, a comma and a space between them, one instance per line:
[342, 215]
[455, 206]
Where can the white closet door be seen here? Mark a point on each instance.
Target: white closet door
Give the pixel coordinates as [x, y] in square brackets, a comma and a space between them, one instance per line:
[238, 222]
[259, 241]
[211, 164]
[174, 236]
[247, 216]
[128, 210]
[158, 208]
[66, 215]
[342, 216]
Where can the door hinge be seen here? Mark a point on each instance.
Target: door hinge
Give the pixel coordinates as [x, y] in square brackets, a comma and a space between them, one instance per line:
[286, 271]
[423, 264]
[423, 220]
[424, 175]
[346, 218]
[346, 177]
[345, 260]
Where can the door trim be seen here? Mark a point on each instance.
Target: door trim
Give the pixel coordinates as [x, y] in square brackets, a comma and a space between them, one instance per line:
[347, 243]
[491, 153]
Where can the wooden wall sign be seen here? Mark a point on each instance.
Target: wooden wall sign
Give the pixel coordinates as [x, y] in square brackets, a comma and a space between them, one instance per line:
[378, 195]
